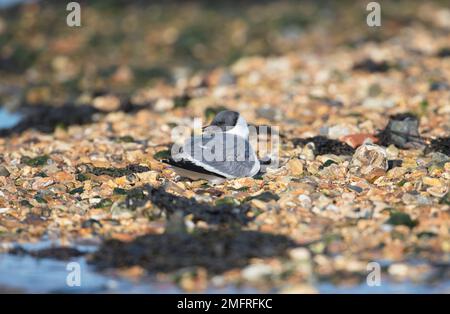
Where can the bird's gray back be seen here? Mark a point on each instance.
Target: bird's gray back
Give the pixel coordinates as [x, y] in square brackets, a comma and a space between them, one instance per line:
[227, 153]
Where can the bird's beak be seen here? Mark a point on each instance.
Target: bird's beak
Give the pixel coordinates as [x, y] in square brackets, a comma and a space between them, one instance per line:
[206, 127]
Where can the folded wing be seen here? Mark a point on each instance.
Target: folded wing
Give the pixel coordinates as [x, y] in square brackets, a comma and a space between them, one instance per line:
[227, 155]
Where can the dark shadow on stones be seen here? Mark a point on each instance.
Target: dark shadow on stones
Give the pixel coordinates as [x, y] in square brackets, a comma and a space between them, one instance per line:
[46, 118]
[111, 171]
[444, 52]
[58, 253]
[324, 145]
[439, 86]
[402, 131]
[441, 145]
[223, 214]
[368, 65]
[217, 251]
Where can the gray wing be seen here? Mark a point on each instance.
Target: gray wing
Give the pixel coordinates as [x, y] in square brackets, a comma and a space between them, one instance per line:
[227, 154]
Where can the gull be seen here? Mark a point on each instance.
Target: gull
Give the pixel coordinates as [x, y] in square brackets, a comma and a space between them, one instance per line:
[221, 152]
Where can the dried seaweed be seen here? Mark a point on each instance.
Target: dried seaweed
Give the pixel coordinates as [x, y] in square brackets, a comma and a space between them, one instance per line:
[217, 251]
[324, 145]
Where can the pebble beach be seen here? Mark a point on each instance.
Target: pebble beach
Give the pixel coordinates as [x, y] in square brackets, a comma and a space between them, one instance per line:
[363, 172]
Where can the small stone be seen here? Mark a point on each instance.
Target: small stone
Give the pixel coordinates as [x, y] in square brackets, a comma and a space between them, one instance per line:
[259, 204]
[270, 113]
[431, 181]
[333, 208]
[120, 211]
[221, 77]
[398, 270]
[62, 176]
[437, 158]
[340, 130]
[300, 254]
[374, 90]
[332, 171]
[356, 140]
[40, 183]
[305, 201]
[123, 75]
[323, 201]
[355, 188]
[445, 109]
[367, 158]
[402, 130]
[163, 104]
[314, 167]
[424, 200]
[435, 170]
[437, 191]
[106, 103]
[374, 174]
[392, 152]
[409, 199]
[299, 289]
[409, 163]
[295, 167]
[397, 172]
[4, 210]
[308, 151]
[256, 272]
[4, 172]
[376, 103]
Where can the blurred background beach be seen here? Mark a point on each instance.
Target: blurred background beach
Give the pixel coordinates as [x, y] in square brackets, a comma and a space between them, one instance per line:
[124, 45]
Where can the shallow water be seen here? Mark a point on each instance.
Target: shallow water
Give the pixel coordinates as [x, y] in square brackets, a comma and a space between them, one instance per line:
[6, 3]
[387, 287]
[8, 119]
[31, 275]
[44, 275]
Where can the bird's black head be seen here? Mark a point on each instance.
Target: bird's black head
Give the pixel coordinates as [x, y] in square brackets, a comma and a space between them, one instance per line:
[225, 119]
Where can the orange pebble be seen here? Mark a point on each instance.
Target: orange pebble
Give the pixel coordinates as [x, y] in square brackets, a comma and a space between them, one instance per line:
[355, 140]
